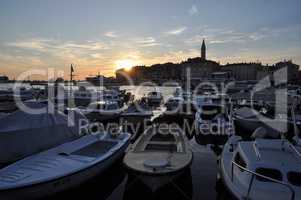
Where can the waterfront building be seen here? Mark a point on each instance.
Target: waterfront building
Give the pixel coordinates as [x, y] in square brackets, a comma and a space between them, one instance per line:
[201, 69]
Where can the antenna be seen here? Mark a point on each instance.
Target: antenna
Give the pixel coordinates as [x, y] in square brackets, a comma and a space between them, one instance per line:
[296, 130]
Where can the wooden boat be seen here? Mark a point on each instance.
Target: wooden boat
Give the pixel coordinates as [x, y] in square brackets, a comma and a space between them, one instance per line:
[62, 167]
[261, 169]
[158, 156]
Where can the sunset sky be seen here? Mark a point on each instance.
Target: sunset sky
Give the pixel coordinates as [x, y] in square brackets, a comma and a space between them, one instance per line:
[102, 36]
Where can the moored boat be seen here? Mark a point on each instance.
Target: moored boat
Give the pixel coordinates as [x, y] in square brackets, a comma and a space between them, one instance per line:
[213, 124]
[154, 98]
[102, 111]
[63, 167]
[158, 156]
[248, 120]
[261, 169]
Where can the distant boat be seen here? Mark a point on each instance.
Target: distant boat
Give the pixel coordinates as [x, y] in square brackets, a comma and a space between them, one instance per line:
[158, 156]
[154, 98]
[17, 94]
[8, 106]
[179, 92]
[102, 110]
[137, 111]
[261, 169]
[6, 95]
[174, 103]
[62, 167]
[83, 96]
[213, 122]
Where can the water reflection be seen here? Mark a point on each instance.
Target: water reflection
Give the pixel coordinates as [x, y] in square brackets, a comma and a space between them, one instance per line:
[179, 188]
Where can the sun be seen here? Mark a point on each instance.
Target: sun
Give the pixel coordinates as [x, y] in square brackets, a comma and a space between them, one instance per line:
[126, 64]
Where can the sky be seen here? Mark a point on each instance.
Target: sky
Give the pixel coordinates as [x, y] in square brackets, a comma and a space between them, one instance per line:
[100, 36]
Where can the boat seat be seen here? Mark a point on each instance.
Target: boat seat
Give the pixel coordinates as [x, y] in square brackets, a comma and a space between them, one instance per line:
[163, 137]
[162, 147]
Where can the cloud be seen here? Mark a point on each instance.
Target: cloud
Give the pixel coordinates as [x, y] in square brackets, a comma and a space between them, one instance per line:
[111, 34]
[176, 31]
[222, 36]
[193, 10]
[32, 44]
[147, 42]
[49, 45]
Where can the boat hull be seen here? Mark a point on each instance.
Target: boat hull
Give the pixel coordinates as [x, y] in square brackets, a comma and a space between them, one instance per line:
[55, 186]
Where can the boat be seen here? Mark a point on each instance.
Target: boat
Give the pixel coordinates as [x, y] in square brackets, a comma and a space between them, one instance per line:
[102, 111]
[136, 118]
[136, 111]
[179, 92]
[63, 167]
[173, 104]
[18, 93]
[8, 106]
[248, 120]
[83, 96]
[6, 95]
[154, 98]
[23, 94]
[2, 115]
[213, 122]
[158, 156]
[261, 169]
[25, 133]
[112, 95]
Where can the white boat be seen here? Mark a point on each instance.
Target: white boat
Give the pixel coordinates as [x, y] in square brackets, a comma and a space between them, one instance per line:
[249, 120]
[137, 110]
[23, 134]
[102, 110]
[179, 92]
[112, 95]
[154, 98]
[83, 96]
[261, 169]
[158, 156]
[214, 119]
[173, 104]
[63, 167]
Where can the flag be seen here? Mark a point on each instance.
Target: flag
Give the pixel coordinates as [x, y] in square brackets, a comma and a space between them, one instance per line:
[72, 70]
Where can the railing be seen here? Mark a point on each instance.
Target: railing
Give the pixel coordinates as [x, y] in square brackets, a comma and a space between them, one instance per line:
[294, 149]
[254, 174]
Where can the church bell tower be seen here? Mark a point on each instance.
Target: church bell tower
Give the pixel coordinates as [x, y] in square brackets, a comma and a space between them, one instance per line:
[203, 50]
